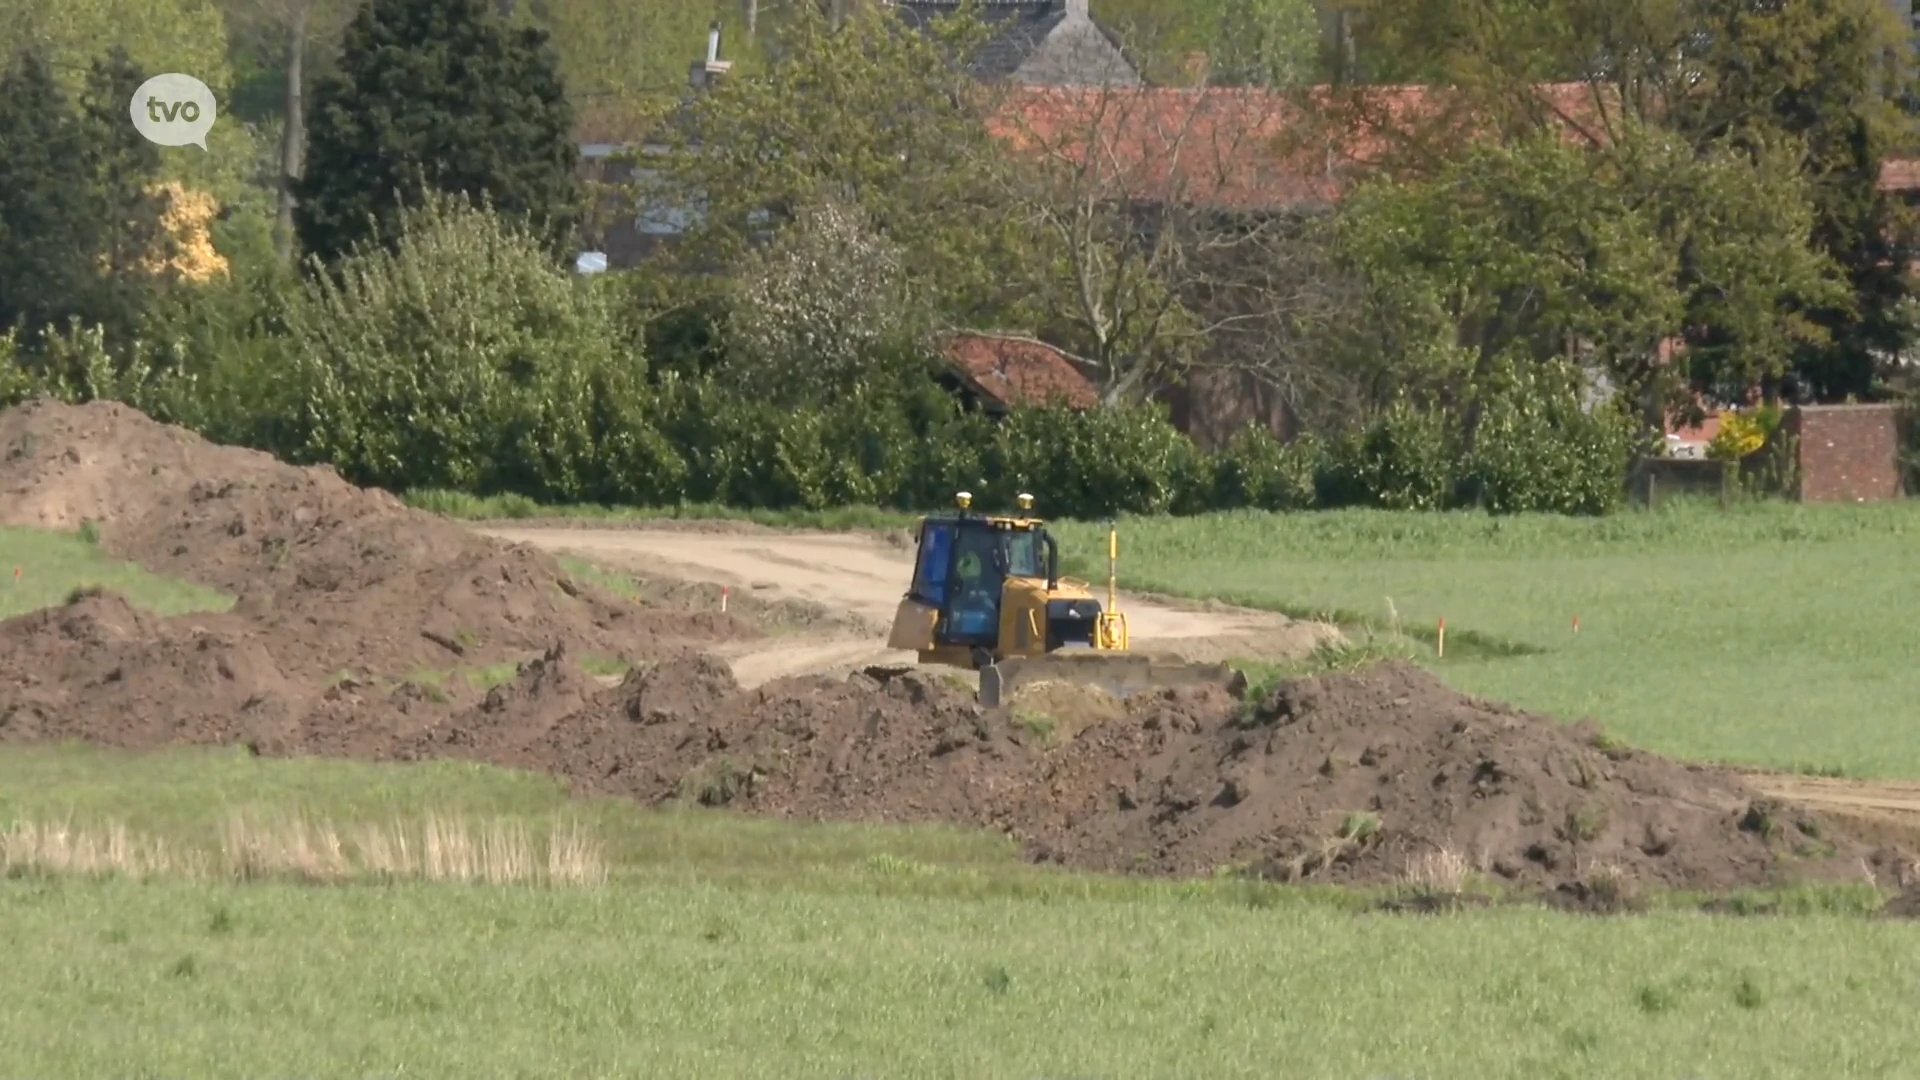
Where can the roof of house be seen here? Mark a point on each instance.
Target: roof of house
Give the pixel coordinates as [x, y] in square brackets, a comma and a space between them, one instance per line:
[1011, 370]
[1231, 147]
[1900, 174]
[1018, 29]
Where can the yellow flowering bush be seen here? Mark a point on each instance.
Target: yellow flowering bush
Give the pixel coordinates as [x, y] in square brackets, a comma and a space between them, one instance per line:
[1743, 433]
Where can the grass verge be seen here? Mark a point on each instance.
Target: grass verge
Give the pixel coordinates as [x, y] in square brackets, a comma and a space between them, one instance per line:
[52, 565]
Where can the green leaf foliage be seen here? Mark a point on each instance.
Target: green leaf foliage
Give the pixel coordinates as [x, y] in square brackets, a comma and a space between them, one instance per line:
[1810, 87]
[437, 96]
[1540, 249]
[873, 116]
[463, 358]
[80, 226]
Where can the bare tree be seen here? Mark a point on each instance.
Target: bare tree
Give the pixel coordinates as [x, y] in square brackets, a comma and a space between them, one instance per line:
[1183, 240]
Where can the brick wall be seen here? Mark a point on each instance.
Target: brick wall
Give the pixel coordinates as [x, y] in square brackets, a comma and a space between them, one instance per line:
[1847, 452]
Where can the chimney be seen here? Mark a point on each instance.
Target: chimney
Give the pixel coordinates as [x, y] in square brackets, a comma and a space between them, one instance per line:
[704, 74]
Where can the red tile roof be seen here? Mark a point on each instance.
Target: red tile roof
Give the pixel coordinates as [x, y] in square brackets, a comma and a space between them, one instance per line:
[1900, 174]
[1240, 148]
[1015, 371]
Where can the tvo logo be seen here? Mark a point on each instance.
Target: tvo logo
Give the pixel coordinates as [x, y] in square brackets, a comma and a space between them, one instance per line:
[173, 110]
[167, 112]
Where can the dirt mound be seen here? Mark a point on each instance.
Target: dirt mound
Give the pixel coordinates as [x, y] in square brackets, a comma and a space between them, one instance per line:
[909, 749]
[338, 577]
[357, 620]
[1905, 905]
[99, 670]
[1381, 775]
[543, 691]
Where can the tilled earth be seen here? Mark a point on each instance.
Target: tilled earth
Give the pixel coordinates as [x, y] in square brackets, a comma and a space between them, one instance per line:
[347, 598]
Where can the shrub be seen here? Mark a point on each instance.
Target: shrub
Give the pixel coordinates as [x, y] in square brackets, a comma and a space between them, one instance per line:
[1260, 472]
[1743, 433]
[1404, 459]
[464, 358]
[1089, 463]
[1537, 449]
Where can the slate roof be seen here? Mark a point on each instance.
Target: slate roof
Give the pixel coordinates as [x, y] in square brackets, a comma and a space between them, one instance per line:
[1019, 27]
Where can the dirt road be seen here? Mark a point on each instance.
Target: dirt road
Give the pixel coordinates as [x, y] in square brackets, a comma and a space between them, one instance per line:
[1897, 799]
[863, 575]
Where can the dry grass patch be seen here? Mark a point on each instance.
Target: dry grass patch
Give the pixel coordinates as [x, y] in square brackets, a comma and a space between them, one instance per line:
[29, 847]
[1441, 872]
[437, 849]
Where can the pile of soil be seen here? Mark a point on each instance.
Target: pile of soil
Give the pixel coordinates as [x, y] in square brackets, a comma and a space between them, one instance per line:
[1358, 778]
[1355, 778]
[1363, 777]
[332, 582]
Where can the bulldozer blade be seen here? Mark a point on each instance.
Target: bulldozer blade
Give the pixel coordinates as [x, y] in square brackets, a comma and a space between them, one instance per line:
[1120, 674]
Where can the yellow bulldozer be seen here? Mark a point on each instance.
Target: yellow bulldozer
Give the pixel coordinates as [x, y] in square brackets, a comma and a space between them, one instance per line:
[987, 596]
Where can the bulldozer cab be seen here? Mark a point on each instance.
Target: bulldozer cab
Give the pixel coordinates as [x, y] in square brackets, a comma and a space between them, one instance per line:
[964, 563]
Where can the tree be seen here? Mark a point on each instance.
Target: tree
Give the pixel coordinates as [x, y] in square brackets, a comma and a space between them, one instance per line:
[791, 341]
[1163, 250]
[1265, 43]
[627, 52]
[158, 35]
[873, 117]
[1542, 251]
[436, 96]
[51, 225]
[125, 172]
[85, 236]
[287, 31]
[1728, 73]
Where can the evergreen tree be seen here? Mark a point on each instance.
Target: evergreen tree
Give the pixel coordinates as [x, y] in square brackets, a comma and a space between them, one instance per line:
[51, 224]
[437, 96]
[123, 169]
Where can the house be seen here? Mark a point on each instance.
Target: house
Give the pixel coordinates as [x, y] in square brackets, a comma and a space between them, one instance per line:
[1035, 42]
[996, 372]
[614, 149]
[1031, 43]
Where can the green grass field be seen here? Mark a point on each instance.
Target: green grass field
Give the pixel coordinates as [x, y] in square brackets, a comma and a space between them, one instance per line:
[695, 981]
[1769, 634]
[732, 947]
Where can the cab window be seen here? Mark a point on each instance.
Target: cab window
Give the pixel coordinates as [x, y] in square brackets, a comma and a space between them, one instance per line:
[930, 575]
[1023, 555]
